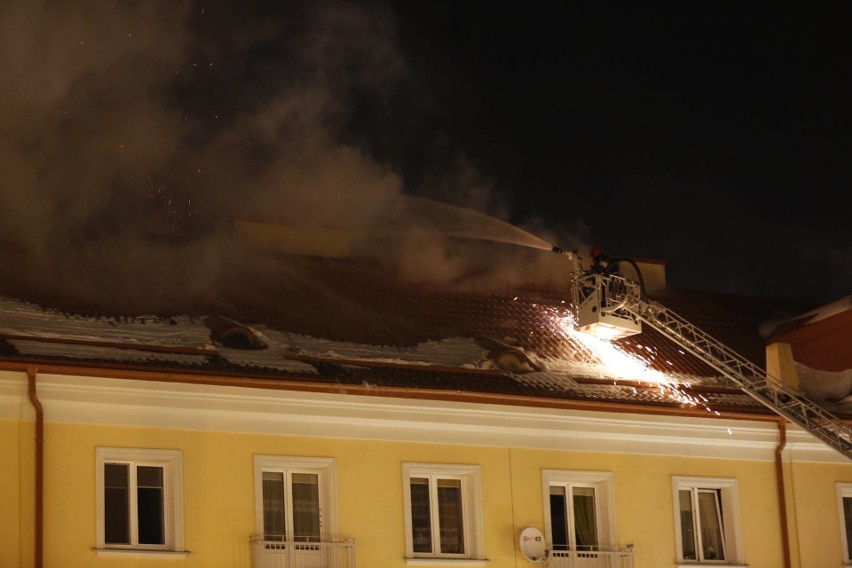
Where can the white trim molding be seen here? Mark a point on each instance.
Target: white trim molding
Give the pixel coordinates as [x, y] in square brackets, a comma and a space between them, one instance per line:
[140, 553]
[602, 482]
[324, 468]
[128, 402]
[730, 516]
[171, 464]
[844, 491]
[470, 483]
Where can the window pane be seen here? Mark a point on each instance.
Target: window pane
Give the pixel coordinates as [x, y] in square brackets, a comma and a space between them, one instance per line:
[306, 508]
[450, 516]
[116, 504]
[421, 517]
[273, 506]
[687, 525]
[559, 518]
[149, 504]
[712, 543]
[149, 476]
[585, 520]
[847, 519]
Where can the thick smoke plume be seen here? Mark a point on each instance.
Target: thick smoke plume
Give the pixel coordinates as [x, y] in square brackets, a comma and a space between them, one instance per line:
[136, 137]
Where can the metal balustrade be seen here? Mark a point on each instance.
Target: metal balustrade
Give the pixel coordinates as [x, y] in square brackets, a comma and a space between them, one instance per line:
[289, 554]
[589, 558]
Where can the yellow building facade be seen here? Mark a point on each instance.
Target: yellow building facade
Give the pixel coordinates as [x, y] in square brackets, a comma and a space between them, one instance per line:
[370, 451]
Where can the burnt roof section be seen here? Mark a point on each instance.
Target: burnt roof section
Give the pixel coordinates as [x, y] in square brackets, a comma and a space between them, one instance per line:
[713, 397]
[367, 304]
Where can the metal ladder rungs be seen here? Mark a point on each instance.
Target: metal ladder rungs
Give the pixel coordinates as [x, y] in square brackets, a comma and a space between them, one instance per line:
[778, 397]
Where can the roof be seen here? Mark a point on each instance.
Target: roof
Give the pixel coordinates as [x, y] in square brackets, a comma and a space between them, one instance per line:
[346, 323]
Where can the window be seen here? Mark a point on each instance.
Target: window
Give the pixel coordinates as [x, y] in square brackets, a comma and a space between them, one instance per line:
[295, 498]
[443, 516]
[844, 507]
[578, 510]
[707, 520]
[139, 499]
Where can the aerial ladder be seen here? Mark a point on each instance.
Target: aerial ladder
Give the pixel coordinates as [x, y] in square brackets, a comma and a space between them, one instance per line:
[611, 306]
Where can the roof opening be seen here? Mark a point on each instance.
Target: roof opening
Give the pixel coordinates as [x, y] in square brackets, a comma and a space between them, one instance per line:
[231, 334]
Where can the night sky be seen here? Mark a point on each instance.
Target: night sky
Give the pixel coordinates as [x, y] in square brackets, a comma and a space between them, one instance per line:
[712, 136]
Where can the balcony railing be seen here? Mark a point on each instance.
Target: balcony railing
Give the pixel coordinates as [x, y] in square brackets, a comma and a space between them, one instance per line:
[590, 558]
[289, 554]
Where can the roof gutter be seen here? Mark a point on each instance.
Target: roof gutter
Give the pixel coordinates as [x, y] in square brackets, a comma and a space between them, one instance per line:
[782, 496]
[39, 466]
[300, 384]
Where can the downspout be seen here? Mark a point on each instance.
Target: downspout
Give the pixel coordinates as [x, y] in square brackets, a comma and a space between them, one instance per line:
[782, 497]
[39, 466]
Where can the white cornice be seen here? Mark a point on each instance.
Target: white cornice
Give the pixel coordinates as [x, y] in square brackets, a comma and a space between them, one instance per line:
[124, 402]
[14, 400]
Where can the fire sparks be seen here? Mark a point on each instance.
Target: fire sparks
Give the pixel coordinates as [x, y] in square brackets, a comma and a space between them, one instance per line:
[176, 207]
[622, 365]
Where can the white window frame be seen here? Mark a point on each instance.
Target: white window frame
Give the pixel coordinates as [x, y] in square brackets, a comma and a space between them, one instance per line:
[471, 489]
[172, 463]
[602, 482]
[731, 525]
[844, 490]
[326, 468]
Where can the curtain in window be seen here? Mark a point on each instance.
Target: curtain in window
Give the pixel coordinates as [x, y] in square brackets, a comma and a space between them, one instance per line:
[687, 525]
[847, 518]
[450, 516]
[712, 543]
[585, 520]
[273, 506]
[306, 507]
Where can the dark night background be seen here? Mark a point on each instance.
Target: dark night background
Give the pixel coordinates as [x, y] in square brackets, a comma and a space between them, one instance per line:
[712, 136]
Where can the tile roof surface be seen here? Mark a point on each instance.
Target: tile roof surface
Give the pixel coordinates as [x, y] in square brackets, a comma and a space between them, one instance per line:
[352, 323]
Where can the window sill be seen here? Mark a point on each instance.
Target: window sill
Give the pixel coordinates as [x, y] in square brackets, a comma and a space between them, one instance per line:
[446, 561]
[703, 564]
[141, 552]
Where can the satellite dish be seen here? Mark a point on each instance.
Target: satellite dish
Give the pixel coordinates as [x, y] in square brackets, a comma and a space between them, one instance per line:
[532, 544]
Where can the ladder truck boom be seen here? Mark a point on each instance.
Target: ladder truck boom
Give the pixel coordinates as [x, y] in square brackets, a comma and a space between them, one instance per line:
[611, 306]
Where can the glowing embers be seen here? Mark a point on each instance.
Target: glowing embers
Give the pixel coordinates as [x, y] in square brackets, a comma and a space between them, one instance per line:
[606, 331]
[617, 364]
[600, 350]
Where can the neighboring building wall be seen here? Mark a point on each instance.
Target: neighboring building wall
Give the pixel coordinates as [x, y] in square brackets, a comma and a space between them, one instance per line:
[220, 429]
[823, 344]
[780, 364]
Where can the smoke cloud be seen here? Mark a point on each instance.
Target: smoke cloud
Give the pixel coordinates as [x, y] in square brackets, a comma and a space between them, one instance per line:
[134, 134]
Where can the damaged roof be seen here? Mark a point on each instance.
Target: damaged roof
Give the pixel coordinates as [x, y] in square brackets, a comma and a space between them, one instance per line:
[343, 324]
